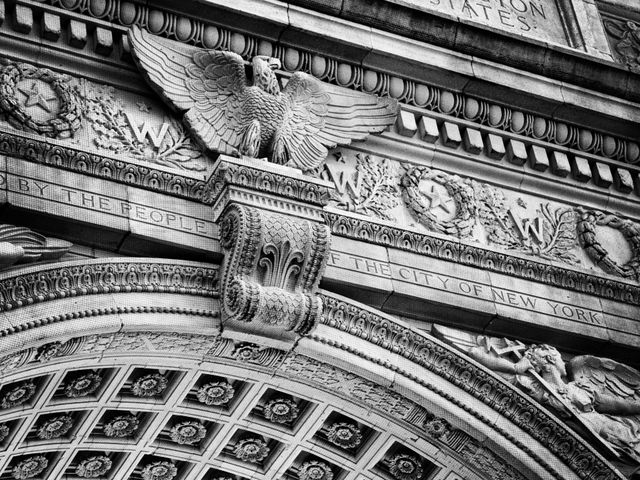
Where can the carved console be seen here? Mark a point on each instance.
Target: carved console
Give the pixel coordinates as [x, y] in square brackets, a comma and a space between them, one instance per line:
[275, 245]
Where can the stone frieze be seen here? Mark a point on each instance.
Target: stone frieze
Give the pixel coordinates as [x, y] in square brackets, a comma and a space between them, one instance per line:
[424, 199]
[95, 117]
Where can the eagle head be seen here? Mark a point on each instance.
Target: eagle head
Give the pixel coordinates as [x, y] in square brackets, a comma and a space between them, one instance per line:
[263, 75]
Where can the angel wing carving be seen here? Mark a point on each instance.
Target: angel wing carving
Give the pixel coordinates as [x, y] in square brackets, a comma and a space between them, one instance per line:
[230, 114]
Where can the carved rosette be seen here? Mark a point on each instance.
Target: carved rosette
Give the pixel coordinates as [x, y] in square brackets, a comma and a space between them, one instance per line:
[215, 393]
[281, 410]
[405, 467]
[4, 431]
[149, 385]
[83, 385]
[344, 435]
[188, 432]
[94, 467]
[48, 351]
[436, 427]
[159, 471]
[121, 426]
[55, 427]
[589, 221]
[30, 467]
[272, 268]
[18, 395]
[423, 210]
[252, 450]
[315, 470]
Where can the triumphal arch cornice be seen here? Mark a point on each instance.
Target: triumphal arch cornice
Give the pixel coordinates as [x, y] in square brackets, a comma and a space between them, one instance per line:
[319, 240]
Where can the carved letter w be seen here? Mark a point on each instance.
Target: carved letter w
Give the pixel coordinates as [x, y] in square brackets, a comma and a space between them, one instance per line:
[146, 131]
[536, 227]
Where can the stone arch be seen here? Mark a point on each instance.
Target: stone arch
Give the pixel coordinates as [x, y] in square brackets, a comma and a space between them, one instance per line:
[441, 407]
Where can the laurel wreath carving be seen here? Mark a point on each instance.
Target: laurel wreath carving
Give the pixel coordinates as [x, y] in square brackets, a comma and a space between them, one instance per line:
[559, 227]
[589, 220]
[378, 193]
[460, 191]
[106, 115]
[63, 124]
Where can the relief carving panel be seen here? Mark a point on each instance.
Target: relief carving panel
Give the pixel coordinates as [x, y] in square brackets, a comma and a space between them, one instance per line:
[423, 199]
[94, 117]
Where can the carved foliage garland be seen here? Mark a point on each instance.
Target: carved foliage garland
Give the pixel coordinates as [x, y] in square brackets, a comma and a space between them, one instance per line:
[112, 131]
[556, 227]
[460, 191]
[589, 221]
[14, 78]
[372, 189]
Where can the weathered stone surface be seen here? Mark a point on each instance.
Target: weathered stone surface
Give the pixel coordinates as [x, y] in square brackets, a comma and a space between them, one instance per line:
[51, 29]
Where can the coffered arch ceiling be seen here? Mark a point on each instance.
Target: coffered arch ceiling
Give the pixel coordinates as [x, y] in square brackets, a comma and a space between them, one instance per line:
[119, 368]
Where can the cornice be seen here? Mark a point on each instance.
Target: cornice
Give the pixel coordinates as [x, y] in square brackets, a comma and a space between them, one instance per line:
[454, 250]
[383, 331]
[552, 100]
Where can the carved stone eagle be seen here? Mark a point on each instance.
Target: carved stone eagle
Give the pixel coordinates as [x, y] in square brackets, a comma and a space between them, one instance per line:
[230, 114]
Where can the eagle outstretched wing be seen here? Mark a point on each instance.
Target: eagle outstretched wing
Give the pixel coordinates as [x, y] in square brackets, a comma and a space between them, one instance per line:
[610, 379]
[209, 85]
[319, 116]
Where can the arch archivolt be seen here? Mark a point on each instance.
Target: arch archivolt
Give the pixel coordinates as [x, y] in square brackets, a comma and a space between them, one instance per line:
[409, 396]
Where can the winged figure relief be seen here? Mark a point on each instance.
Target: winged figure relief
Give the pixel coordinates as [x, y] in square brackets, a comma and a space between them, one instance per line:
[600, 395]
[230, 113]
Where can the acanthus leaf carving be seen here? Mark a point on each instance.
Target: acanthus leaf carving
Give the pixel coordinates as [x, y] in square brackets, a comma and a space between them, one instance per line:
[272, 268]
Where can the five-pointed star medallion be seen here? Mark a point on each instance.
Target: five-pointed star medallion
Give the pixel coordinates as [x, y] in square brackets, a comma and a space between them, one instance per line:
[34, 97]
[436, 200]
